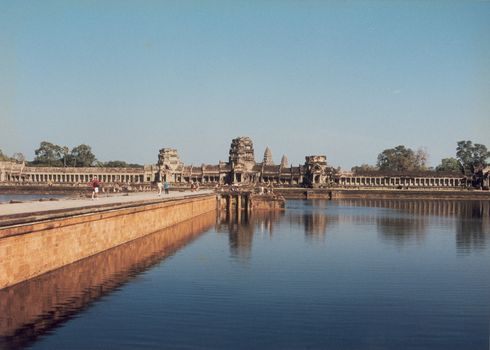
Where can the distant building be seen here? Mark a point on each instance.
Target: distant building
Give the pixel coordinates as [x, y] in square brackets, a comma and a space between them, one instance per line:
[241, 169]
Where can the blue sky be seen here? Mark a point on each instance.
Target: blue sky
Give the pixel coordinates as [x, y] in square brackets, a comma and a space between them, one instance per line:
[347, 79]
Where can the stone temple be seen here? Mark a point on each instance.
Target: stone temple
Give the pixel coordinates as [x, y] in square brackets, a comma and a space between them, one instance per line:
[241, 169]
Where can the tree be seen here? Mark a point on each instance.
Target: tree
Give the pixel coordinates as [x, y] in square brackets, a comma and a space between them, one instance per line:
[18, 157]
[66, 156]
[115, 164]
[473, 157]
[421, 158]
[401, 158]
[48, 154]
[364, 168]
[82, 156]
[3, 157]
[120, 164]
[449, 164]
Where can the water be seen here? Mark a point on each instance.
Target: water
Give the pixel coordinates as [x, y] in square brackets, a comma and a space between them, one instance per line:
[5, 198]
[360, 274]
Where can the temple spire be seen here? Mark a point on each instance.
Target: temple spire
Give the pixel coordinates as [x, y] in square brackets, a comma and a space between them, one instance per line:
[268, 157]
[284, 161]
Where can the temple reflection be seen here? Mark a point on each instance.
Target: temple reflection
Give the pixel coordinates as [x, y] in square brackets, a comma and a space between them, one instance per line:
[241, 229]
[314, 223]
[471, 219]
[30, 309]
[33, 308]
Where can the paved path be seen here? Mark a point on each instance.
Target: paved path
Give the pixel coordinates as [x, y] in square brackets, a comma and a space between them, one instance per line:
[39, 207]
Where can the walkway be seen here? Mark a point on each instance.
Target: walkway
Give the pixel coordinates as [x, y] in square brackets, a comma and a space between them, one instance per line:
[104, 202]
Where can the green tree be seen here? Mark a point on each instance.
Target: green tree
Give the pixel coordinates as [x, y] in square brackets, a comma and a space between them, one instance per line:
[449, 164]
[115, 164]
[67, 159]
[82, 156]
[364, 168]
[402, 158]
[120, 164]
[48, 154]
[473, 157]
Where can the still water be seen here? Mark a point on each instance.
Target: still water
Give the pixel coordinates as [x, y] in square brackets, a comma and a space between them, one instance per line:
[348, 274]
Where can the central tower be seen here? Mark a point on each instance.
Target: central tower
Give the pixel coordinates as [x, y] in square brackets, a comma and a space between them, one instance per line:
[242, 153]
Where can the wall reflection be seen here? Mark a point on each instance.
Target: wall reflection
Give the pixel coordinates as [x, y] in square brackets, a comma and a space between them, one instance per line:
[404, 222]
[400, 230]
[34, 307]
[471, 219]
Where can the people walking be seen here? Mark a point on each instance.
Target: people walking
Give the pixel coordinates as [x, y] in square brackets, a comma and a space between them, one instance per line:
[160, 186]
[166, 186]
[95, 184]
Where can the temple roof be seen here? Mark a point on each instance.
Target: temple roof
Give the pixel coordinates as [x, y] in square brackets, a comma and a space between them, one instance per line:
[271, 168]
[407, 173]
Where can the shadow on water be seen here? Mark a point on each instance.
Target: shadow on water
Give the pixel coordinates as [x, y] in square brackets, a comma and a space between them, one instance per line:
[36, 307]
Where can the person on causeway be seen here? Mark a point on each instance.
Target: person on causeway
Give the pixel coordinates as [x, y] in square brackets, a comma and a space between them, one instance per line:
[95, 184]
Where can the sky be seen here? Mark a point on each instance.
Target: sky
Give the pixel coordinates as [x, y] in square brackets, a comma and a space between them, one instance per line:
[346, 79]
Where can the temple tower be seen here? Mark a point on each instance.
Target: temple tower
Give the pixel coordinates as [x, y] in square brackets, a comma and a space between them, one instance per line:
[168, 164]
[284, 161]
[315, 167]
[268, 157]
[242, 160]
[242, 153]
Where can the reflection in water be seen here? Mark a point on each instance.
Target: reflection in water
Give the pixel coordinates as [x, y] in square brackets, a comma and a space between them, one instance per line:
[406, 221]
[401, 230]
[313, 222]
[471, 219]
[475, 209]
[473, 226]
[353, 293]
[34, 307]
[241, 229]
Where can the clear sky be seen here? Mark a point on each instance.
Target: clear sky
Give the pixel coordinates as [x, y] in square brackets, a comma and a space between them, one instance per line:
[347, 79]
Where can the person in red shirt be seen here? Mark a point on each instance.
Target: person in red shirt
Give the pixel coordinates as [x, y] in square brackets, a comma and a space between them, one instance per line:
[95, 184]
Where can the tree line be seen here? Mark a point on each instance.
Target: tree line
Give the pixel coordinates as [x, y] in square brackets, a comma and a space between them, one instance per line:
[51, 155]
[470, 159]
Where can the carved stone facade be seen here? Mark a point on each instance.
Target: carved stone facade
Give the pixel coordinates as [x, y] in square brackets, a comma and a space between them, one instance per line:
[241, 169]
[11, 172]
[416, 180]
[242, 153]
[168, 164]
[316, 171]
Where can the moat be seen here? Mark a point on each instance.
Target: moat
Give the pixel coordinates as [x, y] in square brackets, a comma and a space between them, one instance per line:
[340, 274]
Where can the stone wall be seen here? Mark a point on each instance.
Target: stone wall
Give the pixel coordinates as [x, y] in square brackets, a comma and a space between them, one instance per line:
[382, 193]
[30, 250]
[55, 296]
